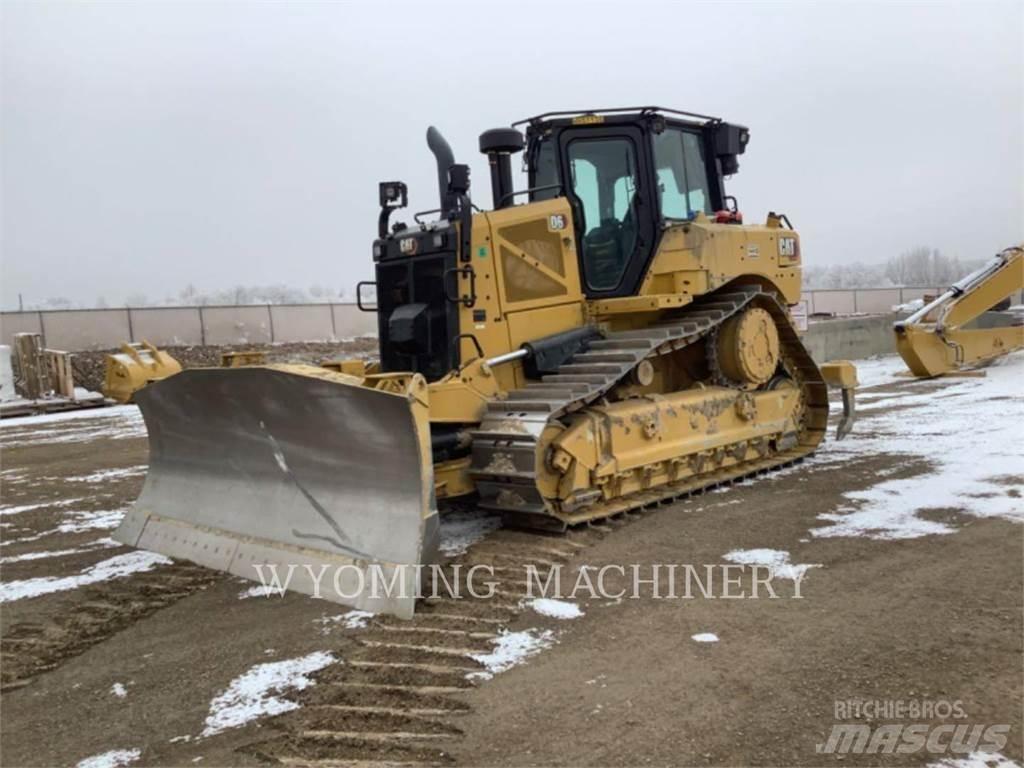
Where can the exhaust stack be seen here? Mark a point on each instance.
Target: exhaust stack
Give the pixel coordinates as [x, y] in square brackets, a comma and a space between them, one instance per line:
[445, 160]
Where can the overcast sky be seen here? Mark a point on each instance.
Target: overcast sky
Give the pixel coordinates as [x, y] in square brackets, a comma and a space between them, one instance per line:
[146, 146]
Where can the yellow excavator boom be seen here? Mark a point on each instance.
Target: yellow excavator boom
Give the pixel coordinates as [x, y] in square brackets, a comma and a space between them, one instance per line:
[935, 340]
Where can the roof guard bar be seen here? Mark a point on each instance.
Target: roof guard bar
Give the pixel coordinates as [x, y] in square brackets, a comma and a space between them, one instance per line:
[612, 111]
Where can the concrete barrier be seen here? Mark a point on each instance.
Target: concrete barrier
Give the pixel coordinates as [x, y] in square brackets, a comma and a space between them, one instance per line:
[237, 325]
[851, 338]
[303, 323]
[170, 326]
[75, 330]
[350, 321]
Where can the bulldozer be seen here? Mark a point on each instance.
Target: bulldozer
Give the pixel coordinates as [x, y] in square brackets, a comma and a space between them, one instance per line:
[944, 335]
[610, 337]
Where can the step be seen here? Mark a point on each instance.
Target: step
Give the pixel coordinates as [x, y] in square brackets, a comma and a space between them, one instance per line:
[613, 342]
[574, 378]
[515, 406]
[608, 356]
[541, 393]
[609, 368]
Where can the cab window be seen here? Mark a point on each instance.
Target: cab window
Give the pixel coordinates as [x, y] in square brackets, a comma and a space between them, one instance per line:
[682, 174]
[604, 182]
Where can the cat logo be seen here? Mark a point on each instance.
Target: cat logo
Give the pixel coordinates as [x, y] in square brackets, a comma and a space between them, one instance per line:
[787, 246]
[408, 245]
[556, 222]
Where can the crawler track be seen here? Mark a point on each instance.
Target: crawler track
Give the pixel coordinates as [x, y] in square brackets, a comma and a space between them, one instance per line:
[506, 446]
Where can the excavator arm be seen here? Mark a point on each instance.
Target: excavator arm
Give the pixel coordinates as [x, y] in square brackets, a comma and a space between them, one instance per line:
[934, 340]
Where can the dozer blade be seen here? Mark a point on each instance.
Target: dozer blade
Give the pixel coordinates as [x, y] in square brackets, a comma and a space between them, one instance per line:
[295, 469]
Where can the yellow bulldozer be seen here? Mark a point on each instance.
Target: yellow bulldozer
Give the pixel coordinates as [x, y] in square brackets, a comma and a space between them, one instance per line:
[610, 337]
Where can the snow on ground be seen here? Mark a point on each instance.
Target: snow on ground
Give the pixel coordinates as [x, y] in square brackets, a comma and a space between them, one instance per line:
[460, 530]
[109, 474]
[115, 412]
[884, 369]
[350, 620]
[510, 649]
[112, 759]
[254, 694]
[776, 560]
[98, 544]
[6, 510]
[76, 522]
[976, 760]
[119, 690]
[259, 590]
[113, 568]
[705, 637]
[556, 609]
[115, 423]
[968, 431]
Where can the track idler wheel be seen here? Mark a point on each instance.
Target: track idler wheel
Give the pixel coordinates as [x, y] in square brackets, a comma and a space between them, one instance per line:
[748, 347]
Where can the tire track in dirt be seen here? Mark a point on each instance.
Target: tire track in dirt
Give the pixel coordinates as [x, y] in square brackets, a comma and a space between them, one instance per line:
[394, 701]
[28, 649]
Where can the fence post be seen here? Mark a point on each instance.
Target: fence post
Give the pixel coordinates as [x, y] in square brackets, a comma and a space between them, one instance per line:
[334, 326]
[131, 329]
[854, 301]
[42, 329]
[270, 315]
[202, 327]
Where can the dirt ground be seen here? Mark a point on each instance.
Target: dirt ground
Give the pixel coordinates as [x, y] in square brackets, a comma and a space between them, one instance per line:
[135, 662]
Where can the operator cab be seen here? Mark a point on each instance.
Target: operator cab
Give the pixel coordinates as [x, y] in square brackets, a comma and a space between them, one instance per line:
[627, 173]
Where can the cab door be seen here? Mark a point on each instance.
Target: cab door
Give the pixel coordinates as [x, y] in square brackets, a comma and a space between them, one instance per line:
[607, 180]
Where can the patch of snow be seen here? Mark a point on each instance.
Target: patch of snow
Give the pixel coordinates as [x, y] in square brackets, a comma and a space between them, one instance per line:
[705, 637]
[776, 560]
[98, 544]
[103, 519]
[510, 649]
[8, 510]
[119, 690]
[351, 620]
[977, 759]
[910, 306]
[884, 369]
[260, 590]
[110, 474]
[968, 432]
[461, 530]
[253, 694]
[112, 759]
[113, 568]
[116, 412]
[556, 609]
[111, 423]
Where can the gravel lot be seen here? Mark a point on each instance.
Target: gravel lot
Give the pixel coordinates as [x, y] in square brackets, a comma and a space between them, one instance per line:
[913, 592]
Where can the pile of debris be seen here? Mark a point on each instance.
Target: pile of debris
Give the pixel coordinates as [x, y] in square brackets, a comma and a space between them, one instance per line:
[90, 367]
[44, 382]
